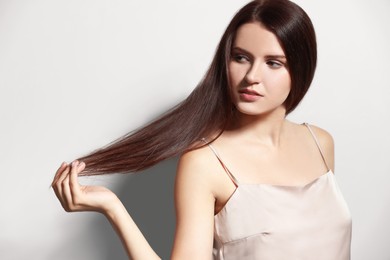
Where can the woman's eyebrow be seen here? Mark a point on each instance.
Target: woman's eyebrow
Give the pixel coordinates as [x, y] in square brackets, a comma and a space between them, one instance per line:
[277, 57]
[270, 56]
[235, 48]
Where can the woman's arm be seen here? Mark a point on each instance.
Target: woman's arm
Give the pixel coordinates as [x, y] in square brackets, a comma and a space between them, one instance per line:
[75, 197]
[194, 200]
[136, 245]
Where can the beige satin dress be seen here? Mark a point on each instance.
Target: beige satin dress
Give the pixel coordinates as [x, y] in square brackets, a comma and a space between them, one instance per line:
[275, 222]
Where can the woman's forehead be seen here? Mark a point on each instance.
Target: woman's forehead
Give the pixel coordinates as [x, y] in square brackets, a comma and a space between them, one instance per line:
[255, 38]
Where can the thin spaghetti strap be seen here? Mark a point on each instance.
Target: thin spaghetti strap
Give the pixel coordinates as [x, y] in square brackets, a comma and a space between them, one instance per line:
[318, 144]
[228, 172]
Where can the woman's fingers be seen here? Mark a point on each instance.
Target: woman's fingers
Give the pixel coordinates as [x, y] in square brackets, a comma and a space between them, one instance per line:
[57, 184]
[58, 172]
[66, 186]
[63, 174]
[74, 183]
[74, 186]
[66, 194]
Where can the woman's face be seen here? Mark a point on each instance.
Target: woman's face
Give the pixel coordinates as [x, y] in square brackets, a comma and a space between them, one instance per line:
[260, 81]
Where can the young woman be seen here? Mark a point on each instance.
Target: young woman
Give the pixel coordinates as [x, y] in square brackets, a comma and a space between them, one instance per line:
[250, 184]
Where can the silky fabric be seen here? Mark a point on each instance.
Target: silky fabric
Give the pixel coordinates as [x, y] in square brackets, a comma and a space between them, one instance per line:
[281, 222]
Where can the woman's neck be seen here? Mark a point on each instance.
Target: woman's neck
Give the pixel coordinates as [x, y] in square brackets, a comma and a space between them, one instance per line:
[265, 128]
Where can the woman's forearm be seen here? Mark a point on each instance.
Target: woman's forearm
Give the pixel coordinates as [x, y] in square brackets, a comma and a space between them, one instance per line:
[136, 245]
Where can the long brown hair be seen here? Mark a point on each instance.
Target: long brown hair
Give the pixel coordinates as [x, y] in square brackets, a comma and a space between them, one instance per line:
[208, 109]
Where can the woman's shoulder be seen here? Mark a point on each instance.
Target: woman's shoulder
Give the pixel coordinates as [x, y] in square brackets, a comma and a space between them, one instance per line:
[302, 129]
[204, 164]
[197, 173]
[196, 157]
[324, 138]
[197, 164]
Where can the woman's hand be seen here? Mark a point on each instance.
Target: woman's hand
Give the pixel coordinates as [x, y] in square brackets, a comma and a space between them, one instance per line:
[76, 197]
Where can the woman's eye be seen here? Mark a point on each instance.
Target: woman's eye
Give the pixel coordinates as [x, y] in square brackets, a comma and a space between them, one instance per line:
[274, 64]
[240, 58]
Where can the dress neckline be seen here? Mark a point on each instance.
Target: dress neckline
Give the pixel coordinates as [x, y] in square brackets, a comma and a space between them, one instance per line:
[298, 186]
[276, 186]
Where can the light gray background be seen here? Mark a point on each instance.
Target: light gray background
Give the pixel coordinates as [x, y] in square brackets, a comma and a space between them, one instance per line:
[75, 75]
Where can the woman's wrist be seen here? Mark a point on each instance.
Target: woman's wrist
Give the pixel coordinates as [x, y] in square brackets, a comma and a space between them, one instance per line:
[113, 209]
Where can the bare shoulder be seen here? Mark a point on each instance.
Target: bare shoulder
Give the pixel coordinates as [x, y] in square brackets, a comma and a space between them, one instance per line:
[326, 143]
[196, 164]
[324, 137]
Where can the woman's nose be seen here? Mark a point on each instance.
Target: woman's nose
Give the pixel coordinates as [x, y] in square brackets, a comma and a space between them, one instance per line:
[254, 74]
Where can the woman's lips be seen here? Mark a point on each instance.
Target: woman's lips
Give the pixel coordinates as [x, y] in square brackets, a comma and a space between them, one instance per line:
[249, 91]
[249, 95]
